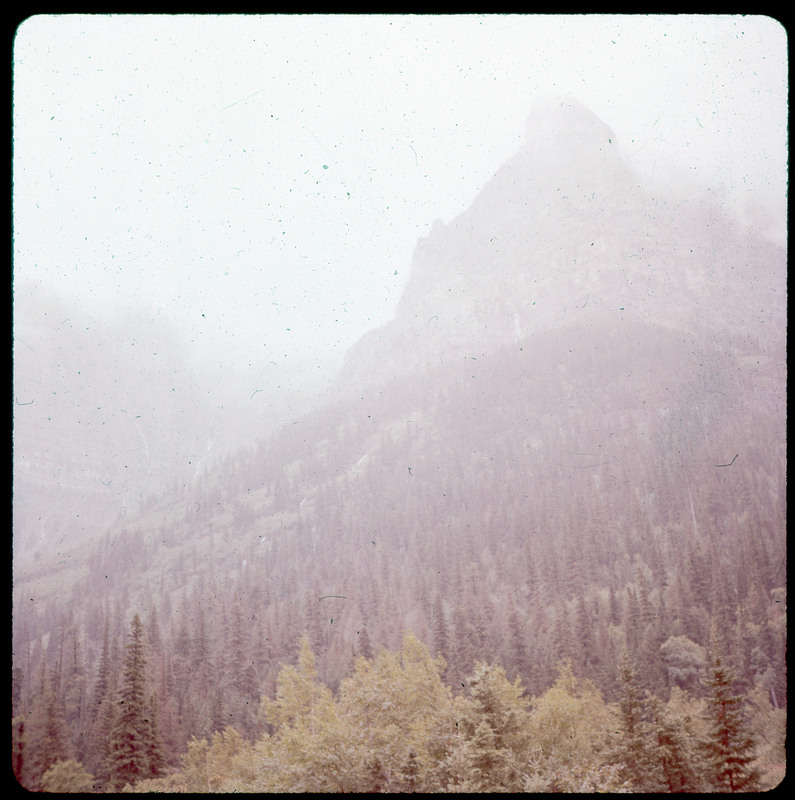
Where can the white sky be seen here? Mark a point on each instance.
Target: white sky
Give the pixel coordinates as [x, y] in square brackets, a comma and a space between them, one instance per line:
[263, 180]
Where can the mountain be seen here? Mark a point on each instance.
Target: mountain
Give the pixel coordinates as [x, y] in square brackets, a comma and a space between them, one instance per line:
[570, 440]
[563, 233]
[111, 410]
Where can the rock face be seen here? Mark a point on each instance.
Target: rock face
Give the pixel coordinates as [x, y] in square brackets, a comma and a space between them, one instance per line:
[564, 233]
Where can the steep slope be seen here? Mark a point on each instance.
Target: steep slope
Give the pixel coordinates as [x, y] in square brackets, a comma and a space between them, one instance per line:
[571, 438]
[562, 233]
[106, 413]
[112, 409]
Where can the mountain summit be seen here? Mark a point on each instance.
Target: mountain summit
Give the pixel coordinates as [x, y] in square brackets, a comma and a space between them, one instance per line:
[561, 130]
[563, 231]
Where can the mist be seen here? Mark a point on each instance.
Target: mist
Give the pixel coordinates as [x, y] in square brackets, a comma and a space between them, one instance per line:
[223, 206]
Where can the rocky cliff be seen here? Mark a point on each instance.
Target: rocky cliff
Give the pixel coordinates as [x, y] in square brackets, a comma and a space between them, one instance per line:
[563, 233]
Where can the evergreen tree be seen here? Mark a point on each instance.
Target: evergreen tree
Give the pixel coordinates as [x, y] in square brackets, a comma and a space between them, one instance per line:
[365, 647]
[131, 738]
[155, 753]
[495, 723]
[238, 649]
[583, 635]
[675, 746]
[632, 622]
[462, 650]
[517, 646]
[439, 627]
[614, 606]
[730, 747]
[201, 644]
[100, 736]
[45, 736]
[104, 675]
[73, 685]
[633, 751]
[562, 637]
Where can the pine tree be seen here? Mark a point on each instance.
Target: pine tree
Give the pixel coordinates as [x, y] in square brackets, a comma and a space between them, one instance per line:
[100, 736]
[517, 661]
[495, 722]
[45, 734]
[439, 627]
[130, 742]
[104, 675]
[675, 747]
[462, 650]
[562, 637]
[730, 748]
[238, 649]
[157, 761]
[614, 606]
[583, 635]
[199, 647]
[365, 647]
[633, 751]
[74, 692]
[632, 622]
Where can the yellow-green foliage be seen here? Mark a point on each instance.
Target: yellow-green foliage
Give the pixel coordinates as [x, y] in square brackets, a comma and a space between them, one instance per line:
[394, 726]
[569, 727]
[67, 776]
[375, 736]
[570, 720]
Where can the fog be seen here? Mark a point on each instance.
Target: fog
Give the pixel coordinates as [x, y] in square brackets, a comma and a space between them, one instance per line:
[211, 210]
[442, 357]
[262, 180]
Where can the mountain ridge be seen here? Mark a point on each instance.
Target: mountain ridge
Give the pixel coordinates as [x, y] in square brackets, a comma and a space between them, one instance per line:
[555, 463]
[564, 227]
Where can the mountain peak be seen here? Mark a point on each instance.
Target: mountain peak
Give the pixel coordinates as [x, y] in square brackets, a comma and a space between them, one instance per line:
[562, 230]
[558, 120]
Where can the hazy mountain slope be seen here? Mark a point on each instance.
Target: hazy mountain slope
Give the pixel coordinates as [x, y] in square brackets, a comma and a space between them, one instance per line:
[563, 232]
[570, 438]
[113, 408]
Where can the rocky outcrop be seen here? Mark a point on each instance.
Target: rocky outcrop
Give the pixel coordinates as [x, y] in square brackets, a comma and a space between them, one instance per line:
[564, 232]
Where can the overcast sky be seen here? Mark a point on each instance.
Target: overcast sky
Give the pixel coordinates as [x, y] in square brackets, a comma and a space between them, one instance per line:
[263, 180]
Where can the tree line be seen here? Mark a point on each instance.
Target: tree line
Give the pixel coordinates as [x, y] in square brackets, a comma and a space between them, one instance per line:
[394, 725]
[502, 544]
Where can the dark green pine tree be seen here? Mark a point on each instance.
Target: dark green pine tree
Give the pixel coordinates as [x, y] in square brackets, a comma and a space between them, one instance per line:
[104, 676]
[45, 736]
[730, 747]
[74, 693]
[675, 749]
[462, 649]
[562, 636]
[633, 627]
[614, 606]
[130, 742]
[238, 645]
[100, 734]
[584, 655]
[156, 757]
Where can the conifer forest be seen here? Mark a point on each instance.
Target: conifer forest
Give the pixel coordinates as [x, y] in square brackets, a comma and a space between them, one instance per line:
[531, 539]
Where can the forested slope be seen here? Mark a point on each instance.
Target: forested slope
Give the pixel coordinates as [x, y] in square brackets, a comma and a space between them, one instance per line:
[589, 502]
